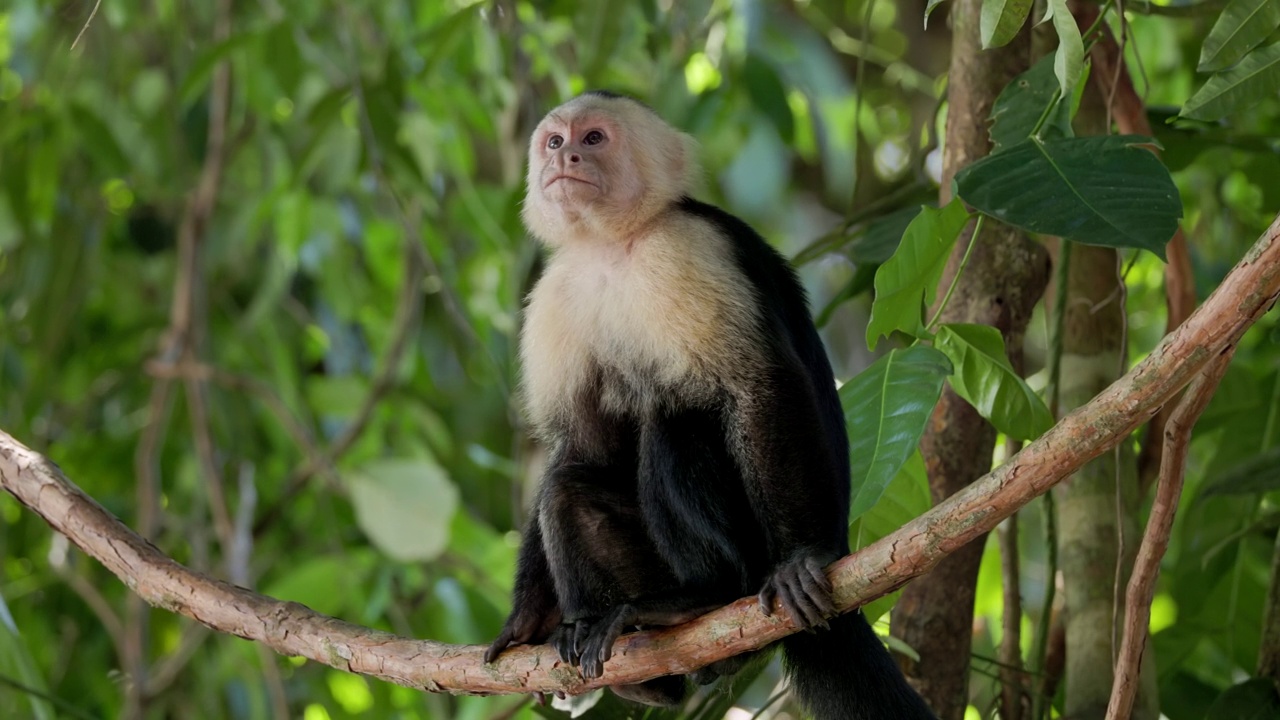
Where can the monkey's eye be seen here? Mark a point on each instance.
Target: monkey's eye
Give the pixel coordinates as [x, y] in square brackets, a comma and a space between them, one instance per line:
[554, 142]
[595, 137]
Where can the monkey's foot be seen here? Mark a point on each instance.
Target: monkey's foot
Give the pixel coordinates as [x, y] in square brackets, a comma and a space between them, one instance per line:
[804, 591]
[522, 628]
[588, 643]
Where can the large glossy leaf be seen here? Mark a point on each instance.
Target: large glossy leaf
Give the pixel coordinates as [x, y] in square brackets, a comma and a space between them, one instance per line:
[405, 506]
[1255, 78]
[906, 498]
[984, 377]
[1095, 190]
[1068, 59]
[1241, 26]
[1023, 102]
[1001, 20]
[906, 282]
[886, 407]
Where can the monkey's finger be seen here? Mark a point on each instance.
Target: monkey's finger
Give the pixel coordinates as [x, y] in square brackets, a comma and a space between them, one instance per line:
[816, 571]
[818, 595]
[581, 634]
[766, 597]
[789, 602]
[803, 608]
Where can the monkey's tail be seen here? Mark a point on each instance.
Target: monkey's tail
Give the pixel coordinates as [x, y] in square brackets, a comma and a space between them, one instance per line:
[846, 673]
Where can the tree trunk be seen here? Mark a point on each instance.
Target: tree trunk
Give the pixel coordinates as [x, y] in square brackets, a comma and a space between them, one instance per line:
[1098, 531]
[1005, 278]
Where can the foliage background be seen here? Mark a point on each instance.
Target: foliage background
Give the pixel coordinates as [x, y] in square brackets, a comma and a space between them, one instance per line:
[367, 139]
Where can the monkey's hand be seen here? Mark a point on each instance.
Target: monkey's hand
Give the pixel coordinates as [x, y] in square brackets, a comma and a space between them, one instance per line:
[804, 591]
[522, 627]
[588, 643]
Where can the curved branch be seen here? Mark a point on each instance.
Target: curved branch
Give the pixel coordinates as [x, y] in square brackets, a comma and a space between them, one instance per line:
[292, 629]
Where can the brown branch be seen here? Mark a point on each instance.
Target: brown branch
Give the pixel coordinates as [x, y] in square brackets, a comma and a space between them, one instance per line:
[180, 343]
[1155, 540]
[289, 628]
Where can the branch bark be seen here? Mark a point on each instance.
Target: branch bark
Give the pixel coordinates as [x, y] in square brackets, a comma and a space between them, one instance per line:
[1246, 294]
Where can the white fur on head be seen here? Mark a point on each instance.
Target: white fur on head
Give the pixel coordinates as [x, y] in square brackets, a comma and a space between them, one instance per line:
[618, 186]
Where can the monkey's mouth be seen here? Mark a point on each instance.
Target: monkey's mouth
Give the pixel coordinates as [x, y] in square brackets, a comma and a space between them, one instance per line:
[558, 178]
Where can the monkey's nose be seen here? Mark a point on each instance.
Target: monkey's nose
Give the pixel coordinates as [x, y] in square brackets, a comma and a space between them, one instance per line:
[575, 157]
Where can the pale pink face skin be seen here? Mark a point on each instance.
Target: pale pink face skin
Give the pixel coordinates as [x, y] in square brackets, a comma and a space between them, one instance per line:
[599, 168]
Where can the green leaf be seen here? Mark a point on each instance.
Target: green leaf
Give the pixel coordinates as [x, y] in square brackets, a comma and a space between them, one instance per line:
[1254, 699]
[906, 498]
[905, 283]
[286, 64]
[1068, 60]
[202, 69]
[330, 584]
[886, 407]
[1255, 78]
[985, 378]
[1103, 190]
[98, 140]
[1257, 474]
[16, 662]
[879, 241]
[1022, 103]
[1241, 26]
[405, 506]
[769, 95]
[1001, 20]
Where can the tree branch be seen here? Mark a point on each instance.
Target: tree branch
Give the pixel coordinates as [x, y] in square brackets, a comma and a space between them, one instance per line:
[292, 629]
[1155, 541]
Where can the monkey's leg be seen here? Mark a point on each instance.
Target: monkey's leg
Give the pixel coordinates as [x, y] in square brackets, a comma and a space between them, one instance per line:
[602, 560]
[535, 614]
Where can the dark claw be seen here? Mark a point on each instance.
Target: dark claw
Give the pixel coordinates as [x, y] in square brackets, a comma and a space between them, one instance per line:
[502, 642]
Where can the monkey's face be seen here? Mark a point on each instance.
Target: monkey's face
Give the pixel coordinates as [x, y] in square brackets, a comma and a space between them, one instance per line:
[599, 167]
[580, 164]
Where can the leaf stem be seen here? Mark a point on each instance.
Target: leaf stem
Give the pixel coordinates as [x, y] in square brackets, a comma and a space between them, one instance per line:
[973, 240]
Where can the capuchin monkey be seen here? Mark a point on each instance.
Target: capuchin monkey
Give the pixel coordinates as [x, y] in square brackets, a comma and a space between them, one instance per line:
[698, 449]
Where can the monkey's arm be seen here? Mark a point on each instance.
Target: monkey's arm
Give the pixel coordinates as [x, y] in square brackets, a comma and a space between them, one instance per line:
[535, 613]
[794, 484]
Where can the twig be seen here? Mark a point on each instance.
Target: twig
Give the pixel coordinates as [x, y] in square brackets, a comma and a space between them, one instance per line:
[1269, 648]
[92, 14]
[1248, 291]
[1011, 674]
[1155, 539]
[167, 670]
